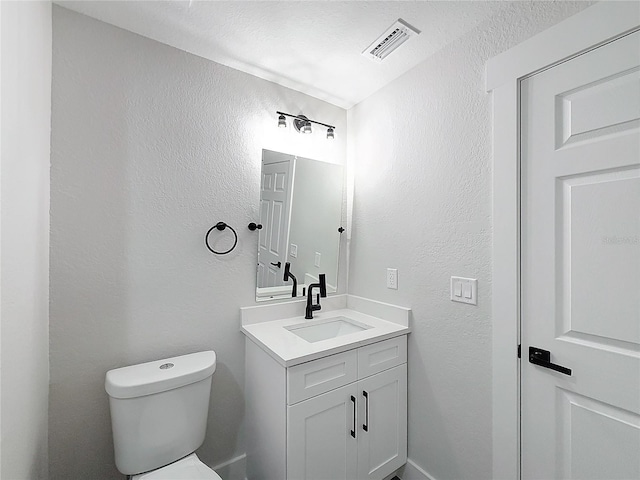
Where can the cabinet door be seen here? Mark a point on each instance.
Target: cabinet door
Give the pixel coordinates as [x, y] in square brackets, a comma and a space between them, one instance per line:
[382, 442]
[320, 445]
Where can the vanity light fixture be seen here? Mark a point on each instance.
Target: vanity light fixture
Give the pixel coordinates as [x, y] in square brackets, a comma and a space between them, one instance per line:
[302, 124]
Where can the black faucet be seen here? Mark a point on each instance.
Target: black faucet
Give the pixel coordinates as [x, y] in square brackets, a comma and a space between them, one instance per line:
[287, 276]
[312, 307]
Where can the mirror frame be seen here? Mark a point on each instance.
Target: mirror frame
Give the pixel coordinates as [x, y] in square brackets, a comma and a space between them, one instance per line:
[282, 292]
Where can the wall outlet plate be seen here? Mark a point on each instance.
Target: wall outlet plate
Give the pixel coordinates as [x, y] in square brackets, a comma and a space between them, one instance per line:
[392, 278]
[464, 290]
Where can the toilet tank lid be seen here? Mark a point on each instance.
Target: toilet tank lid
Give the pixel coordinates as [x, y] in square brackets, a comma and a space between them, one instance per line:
[159, 375]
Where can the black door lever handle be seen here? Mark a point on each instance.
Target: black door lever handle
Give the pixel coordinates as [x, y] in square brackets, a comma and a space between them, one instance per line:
[279, 264]
[542, 358]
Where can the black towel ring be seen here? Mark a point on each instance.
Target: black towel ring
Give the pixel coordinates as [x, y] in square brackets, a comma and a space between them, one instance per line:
[221, 226]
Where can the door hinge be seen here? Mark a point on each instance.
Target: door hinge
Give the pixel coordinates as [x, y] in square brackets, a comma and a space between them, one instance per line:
[519, 351]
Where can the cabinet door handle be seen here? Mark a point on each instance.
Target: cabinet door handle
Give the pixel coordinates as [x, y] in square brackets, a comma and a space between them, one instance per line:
[365, 425]
[353, 430]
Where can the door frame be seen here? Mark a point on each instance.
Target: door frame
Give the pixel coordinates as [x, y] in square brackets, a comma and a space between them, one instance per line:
[590, 28]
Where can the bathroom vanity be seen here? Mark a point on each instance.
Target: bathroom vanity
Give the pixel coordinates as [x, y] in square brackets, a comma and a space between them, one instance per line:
[327, 397]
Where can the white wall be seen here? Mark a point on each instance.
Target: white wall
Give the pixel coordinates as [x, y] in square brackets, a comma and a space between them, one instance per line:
[150, 147]
[422, 153]
[26, 114]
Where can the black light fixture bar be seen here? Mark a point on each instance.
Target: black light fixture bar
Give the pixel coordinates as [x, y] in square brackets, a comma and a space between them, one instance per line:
[305, 119]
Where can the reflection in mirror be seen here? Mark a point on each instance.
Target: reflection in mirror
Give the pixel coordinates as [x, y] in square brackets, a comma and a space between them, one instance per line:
[300, 210]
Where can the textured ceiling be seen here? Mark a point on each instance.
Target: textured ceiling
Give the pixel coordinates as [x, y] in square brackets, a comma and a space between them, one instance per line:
[311, 46]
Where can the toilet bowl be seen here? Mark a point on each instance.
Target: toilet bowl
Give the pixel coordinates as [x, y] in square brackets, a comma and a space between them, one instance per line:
[189, 468]
[159, 415]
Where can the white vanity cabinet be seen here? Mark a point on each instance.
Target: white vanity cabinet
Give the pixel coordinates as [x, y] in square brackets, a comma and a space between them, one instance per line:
[382, 448]
[339, 417]
[319, 440]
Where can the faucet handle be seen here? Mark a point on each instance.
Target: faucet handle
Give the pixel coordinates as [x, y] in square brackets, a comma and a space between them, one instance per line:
[323, 285]
[288, 275]
[287, 271]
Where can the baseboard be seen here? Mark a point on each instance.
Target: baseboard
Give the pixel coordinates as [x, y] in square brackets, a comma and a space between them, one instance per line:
[234, 469]
[411, 471]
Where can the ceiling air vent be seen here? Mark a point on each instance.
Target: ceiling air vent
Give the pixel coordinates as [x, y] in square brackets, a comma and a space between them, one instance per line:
[392, 38]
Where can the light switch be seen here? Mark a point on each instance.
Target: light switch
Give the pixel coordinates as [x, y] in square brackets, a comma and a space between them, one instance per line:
[464, 290]
[293, 251]
[317, 260]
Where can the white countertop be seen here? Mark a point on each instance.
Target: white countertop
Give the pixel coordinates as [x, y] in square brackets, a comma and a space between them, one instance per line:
[288, 349]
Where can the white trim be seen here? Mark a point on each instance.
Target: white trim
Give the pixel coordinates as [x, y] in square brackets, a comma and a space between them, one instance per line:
[585, 30]
[412, 471]
[234, 469]
[0, 244]
[506, 287]
[592, 26]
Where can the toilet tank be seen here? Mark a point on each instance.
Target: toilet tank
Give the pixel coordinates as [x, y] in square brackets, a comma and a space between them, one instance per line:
[159, 410]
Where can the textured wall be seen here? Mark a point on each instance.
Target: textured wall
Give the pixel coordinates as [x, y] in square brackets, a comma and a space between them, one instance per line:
[422, 149]
[150, 147]
[26, 115]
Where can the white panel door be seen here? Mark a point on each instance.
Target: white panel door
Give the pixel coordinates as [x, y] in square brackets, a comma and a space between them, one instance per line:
[275, 204]
[382, 446]
[581, 266]
[321, 436]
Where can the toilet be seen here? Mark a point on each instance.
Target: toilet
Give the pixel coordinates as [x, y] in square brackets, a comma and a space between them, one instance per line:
[159, 417]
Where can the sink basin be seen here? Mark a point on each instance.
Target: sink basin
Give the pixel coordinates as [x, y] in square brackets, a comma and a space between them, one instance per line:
[327, 328]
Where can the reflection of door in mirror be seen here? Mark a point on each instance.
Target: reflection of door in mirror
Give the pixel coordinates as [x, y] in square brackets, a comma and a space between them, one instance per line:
[301, 211]
[275, 201]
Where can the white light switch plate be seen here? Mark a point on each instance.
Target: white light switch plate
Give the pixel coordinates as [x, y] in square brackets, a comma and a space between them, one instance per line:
[464, 290]
[317, 260]
[293, 251]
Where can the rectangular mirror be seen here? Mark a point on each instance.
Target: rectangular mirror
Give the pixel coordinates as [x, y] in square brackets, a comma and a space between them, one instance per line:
[300, 213]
